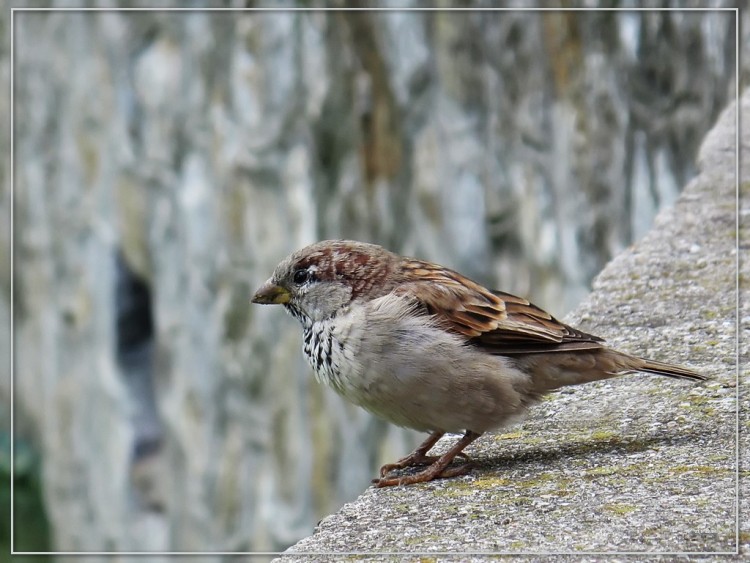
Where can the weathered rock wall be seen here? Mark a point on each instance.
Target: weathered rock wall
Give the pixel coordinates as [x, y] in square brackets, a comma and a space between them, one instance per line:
[164, 163]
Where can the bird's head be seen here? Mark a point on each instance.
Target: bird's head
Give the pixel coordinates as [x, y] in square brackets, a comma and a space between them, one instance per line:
[316, 282]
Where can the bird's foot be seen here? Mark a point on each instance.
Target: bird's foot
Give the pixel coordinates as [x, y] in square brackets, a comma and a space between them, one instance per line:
[435, 471]
[414, 459]
[438, 467]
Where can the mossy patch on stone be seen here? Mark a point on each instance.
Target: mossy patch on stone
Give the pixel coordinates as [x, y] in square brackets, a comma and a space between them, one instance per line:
[620, 509]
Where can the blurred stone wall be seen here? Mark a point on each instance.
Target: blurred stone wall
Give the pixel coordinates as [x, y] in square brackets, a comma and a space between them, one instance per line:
[165, 162]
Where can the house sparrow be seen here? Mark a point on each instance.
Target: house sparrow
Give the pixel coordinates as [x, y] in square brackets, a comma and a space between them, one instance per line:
[426, 348]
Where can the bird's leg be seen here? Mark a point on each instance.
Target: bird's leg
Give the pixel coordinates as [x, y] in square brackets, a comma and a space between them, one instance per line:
[417, 457]
[438, 469]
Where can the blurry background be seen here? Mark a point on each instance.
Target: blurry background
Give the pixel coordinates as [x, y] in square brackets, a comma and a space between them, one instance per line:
[165, 162]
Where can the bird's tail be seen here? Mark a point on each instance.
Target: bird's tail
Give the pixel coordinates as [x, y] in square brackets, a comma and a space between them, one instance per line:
[668, 370]
[552, 371]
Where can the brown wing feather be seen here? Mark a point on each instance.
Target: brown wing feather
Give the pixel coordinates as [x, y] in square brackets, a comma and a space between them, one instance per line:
[499, 322]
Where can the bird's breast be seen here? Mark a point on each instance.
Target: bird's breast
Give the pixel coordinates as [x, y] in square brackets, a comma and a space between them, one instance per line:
[324, 349]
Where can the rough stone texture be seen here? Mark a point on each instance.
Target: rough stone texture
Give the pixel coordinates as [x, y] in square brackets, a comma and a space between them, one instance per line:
[634, 464]
[165, 162]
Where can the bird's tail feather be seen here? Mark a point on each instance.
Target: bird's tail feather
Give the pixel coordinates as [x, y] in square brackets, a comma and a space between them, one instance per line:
[552, 371]
[668, 370]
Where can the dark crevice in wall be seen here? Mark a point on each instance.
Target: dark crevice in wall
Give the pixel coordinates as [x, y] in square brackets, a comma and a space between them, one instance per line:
[135, 356]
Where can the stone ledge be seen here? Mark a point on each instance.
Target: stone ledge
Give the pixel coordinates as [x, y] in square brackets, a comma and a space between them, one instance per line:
[636, 464]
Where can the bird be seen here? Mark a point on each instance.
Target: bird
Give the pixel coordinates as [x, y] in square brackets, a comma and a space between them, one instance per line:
[425, 347]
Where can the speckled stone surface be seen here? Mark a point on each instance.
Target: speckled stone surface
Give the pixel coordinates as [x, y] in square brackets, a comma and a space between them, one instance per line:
[637, 464]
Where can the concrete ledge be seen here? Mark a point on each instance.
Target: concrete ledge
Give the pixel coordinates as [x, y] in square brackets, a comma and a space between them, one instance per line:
[637, 464]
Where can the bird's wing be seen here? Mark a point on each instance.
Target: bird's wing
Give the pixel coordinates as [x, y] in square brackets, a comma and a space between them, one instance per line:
[498, 322]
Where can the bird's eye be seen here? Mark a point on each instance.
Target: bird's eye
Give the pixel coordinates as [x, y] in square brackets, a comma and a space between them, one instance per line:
[301, 276]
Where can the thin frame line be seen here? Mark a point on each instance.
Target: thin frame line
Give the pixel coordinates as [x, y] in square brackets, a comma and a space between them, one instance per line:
[373, 9]
[12, 301]
[411, 553]
[381, 9]
[737, 282]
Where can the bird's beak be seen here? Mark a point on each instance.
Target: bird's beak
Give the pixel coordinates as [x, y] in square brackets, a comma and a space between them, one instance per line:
[271, 294]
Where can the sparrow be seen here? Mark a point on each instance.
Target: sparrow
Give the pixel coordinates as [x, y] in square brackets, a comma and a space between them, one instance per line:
[427, 348]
